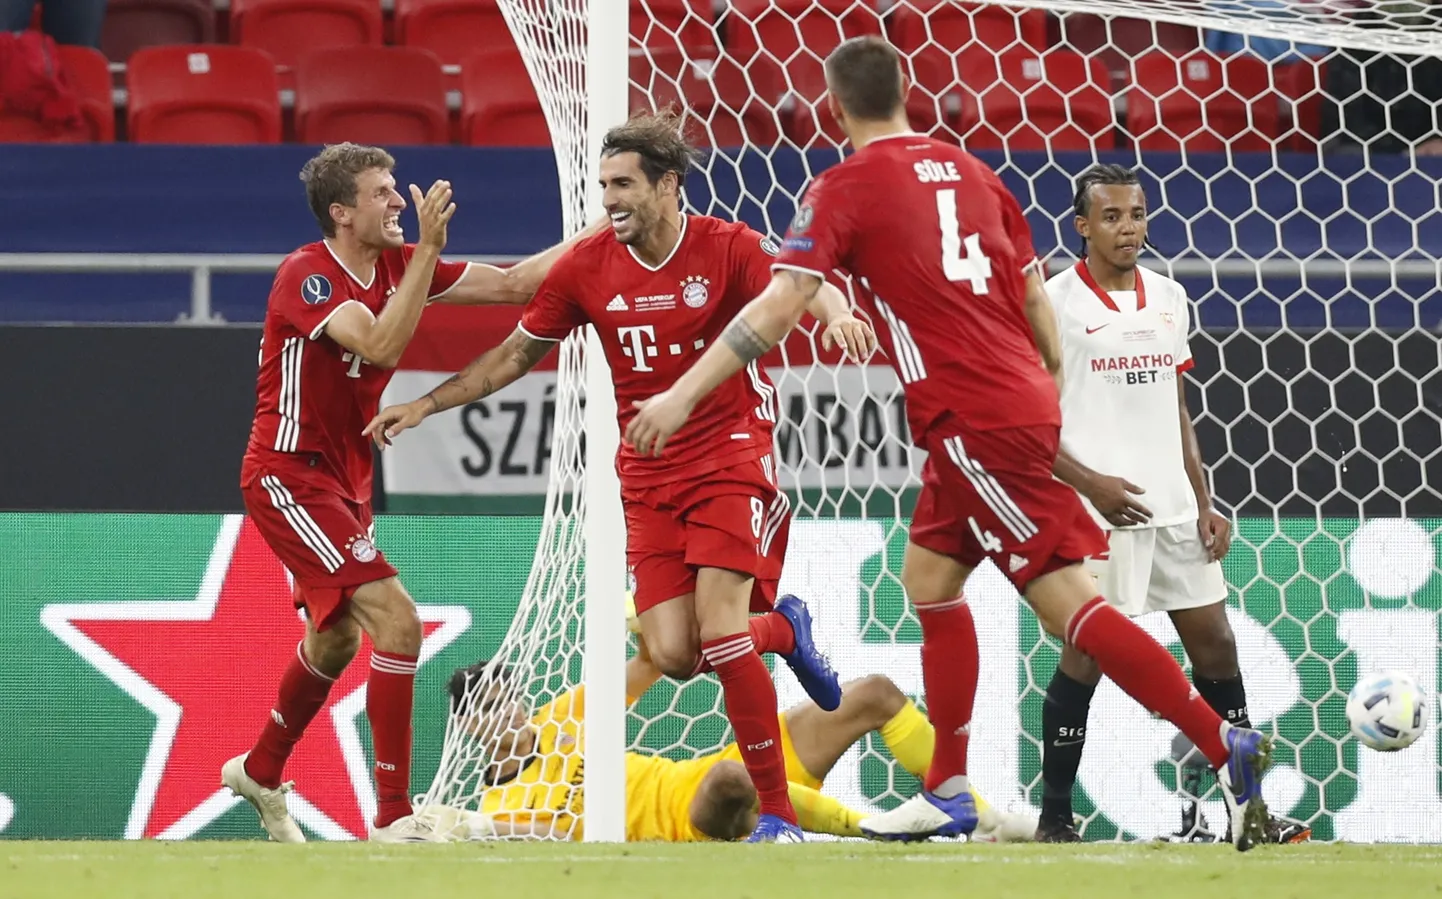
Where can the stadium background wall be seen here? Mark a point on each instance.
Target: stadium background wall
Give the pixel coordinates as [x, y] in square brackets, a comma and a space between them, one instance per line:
[141, 651]
[168, 410]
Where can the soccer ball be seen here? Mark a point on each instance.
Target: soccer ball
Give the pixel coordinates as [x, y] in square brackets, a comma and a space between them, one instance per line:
[1388, 710]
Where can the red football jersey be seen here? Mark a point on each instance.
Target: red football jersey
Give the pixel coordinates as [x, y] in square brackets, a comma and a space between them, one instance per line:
[940, 247]
[313, 397]
[654, 324]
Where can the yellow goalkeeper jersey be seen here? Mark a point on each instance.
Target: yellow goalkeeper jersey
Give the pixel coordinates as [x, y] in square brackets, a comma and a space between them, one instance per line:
[549, 789]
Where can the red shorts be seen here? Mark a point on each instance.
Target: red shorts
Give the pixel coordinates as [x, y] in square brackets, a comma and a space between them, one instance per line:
[991, 494]
[325, 540]
[735, 518]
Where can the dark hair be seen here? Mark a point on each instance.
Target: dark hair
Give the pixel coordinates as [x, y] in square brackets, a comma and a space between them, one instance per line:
[464, 681]
[731, 797]
[659, 138]
[1103, 173]
[330, 177]
[864, 74]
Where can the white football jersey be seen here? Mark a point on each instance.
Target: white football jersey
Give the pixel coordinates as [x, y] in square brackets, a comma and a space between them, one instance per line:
[1122, 352]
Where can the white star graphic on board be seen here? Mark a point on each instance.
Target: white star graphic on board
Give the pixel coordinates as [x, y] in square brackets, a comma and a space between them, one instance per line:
[208, 669]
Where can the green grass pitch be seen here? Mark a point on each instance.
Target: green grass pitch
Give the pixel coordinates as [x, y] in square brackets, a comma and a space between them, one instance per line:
[235, 870]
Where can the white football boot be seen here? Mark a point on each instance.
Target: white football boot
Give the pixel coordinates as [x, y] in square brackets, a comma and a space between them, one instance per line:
[268, 803]
[410, 829]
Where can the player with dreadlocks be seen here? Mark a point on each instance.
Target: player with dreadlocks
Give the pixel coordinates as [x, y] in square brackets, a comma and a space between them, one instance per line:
[1124, 349]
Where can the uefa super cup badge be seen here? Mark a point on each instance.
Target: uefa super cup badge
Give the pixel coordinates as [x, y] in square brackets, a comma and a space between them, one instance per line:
[1169, 320]
[694, 291]
[361, 549]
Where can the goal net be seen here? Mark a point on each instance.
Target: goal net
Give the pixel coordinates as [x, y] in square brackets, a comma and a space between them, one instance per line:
[1287, 149]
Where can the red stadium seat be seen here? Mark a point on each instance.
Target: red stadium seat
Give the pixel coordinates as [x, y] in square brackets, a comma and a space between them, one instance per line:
[371, 95]
[1056, 100]
[499, 107]
[1202, 104]
[784, 41]
[936, 34]
[722, 108]
[88, 73]
[673, 25]
[1300, 84]
[210, 94]
[1117, 41]
[452, 29]
[133, 24]
[289, 29]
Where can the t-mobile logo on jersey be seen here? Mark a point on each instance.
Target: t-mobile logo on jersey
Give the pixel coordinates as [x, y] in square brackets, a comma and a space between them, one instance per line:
[642, 340]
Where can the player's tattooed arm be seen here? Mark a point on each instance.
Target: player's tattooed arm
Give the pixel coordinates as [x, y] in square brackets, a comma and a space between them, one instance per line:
[517, 284]
[495, 369]
[490, 372]
[745, 342]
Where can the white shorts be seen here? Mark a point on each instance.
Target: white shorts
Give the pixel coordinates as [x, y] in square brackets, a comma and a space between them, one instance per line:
[1157, 570]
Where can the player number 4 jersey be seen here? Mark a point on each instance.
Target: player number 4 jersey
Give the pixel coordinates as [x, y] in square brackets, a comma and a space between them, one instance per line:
[940, 248]
[654, 323]
[1123, 352]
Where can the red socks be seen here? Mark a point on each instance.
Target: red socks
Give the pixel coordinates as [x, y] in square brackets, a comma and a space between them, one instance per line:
[950, 665]
[390, 692]
[750, 700]
[1147, 672]
[770, 632]
[303, 690]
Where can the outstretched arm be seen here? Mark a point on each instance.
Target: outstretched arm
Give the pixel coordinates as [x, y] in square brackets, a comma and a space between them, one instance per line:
[830, 307]
[515, 285]
[759, 327]
[493, 370]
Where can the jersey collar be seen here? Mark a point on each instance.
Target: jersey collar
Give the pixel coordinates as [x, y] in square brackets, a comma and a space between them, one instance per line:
[364, 285]
[1086, 275]
[680, 239]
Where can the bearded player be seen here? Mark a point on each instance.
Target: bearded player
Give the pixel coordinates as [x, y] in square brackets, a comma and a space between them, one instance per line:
[532, 783]
[1124, 348]
[340, 313]
[706, 525]
[950, 279]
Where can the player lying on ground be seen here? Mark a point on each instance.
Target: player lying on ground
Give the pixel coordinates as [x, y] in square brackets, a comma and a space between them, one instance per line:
[706, 525]
[339, 315]
[533, 779]
[944, 256]
[1124, 348]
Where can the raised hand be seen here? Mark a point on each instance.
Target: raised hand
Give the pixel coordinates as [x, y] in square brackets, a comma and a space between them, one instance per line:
[434, 211]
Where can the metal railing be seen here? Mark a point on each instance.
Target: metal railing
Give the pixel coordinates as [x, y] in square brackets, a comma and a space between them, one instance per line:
[201, 266]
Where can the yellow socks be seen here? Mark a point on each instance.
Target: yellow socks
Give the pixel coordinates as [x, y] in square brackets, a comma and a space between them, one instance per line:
[911, 739]
[817, 813]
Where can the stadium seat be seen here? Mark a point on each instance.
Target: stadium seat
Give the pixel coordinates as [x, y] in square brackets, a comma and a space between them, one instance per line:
[451, 29]
[935, 34]
[1117, 41]
[87, 72]
[133, 24]
[1201, 103]
[1300, 84]
[777, 40]
[722, 109]
[1056, 99]
[203, 94]
[289, 29]
[371, 95]
[499, 107]
[673, 25]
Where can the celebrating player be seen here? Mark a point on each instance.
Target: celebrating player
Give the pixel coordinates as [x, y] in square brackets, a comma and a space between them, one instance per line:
[944, 255]
[533, 781]
[1124, 342]
[706, 525]
[340, 313]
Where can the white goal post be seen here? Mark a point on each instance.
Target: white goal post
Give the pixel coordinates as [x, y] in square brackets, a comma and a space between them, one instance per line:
[1309, 242]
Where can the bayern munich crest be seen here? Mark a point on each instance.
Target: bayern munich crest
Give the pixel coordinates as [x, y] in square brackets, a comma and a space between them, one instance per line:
[363, 550]
[694, 291]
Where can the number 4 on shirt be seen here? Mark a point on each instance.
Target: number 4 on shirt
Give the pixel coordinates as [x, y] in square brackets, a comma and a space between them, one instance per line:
[974, 266]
